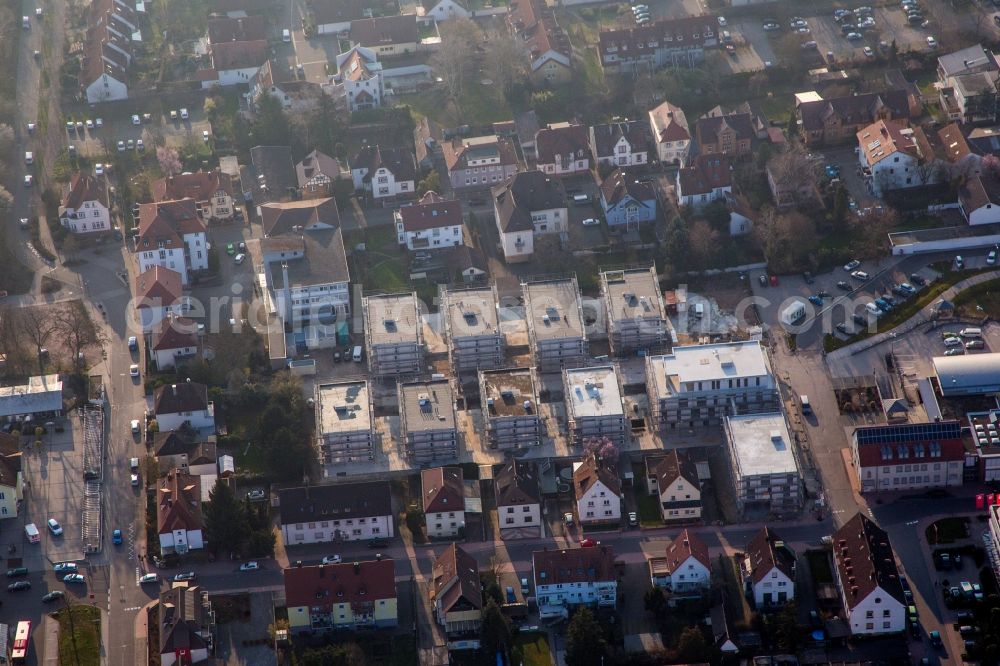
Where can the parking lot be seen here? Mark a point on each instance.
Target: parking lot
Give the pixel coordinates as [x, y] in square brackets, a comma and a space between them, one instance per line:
[54, 478]
[103, 142]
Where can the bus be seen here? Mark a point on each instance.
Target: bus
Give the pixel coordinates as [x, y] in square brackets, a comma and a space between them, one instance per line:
[22, 637]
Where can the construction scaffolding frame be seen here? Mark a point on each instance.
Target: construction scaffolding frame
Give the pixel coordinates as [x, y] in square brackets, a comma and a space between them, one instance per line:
[92, 421]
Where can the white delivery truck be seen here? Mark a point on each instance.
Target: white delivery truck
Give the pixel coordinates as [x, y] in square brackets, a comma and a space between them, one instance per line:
[793, 313]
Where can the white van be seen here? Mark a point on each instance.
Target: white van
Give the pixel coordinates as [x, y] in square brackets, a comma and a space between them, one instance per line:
[971, 332]
[806, 407]
[580, 199]
[286, 35]
[872, 309]
[356, 356]
[31, 532]
[699, 310]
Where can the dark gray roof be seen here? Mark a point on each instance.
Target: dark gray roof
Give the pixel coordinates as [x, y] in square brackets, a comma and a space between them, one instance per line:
[336, 502]
[527, 191]
[516, 483]
[275, 164]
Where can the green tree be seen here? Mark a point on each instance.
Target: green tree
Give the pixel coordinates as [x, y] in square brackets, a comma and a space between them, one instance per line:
[692, 646]
[585, 644]
[225, 521]
[654, 600]
[261, 543]
[431, 183]
[270, 126]
[495, 631]
[287, 454]
[786, 629]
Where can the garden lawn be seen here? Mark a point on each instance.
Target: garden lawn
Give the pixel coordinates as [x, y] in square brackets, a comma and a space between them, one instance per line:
[80, 636]
[533, 649]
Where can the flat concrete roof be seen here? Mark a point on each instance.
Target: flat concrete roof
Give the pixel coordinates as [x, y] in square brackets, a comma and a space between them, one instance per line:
[762, 444]
[427, 405]
[633, 294]
[508, 389]
[42, 393]
[472, 312]
[552, 308]
[392, 319]
[703, 363]
[343, 407]
[969, 374]
[593, 392]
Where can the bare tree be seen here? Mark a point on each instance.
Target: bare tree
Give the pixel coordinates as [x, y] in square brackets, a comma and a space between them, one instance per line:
[74, 325]
[453, 62]
[704, 243]
[37, 326]
[505, 61]
[794, 175]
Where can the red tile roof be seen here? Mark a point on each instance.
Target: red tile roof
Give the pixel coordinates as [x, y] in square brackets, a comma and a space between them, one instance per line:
[534, 22]
[569, 143]
[167, 222]
[384, 30]
[238, 55]
[84, 187]
[348, 583]
[159, 286]
[175, 333]
[865, 561]
[704, 174]
[590, 472]
[178, 502]
[767, 551]
[903, 440]
[672, 123]
[455, 581]
[431, 212]
[442, 490]
[679, 33]
[242, 29]
[687, 544]
[574, 565]
[200, 186]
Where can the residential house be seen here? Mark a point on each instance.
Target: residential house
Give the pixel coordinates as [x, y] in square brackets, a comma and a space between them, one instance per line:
[236, 28]
[954, 151]
[673, 480]
[530, 203]
[519, 500]
[698, 385]
[186, 625]
[562, 149]
[385, 173]
[970, 98]
[598, 491]
[479, 162]
[445, 10]
[174, 339]
[172, 234]
[677, 42]
[335, 513]
[272, 176]
[627, 203]
[387, 35]
[575, 577]
[85, 208]
[456, 594]
[839, 119]
[341, 597]
[730, 134]
[533, 24]
[178, 449]
[769, 570]
[469, 262]
[742, 216]
[318, 173]
[621, 144]
[909, 456]
[280, 83]
[233, 63]
[432, 223]
[979, 199]
[177, 404]
[866, 575]
[791, 180]
[671, 133]
[705, 179]
[11, 476]
[983, 140]
[302, 265]
[359, 79]
[443, 495]
[686, 569]
[178, 513]
[158, 293]
[969, 60]
[103, 72]
[334, 17]
[212, 192]
[896, 156]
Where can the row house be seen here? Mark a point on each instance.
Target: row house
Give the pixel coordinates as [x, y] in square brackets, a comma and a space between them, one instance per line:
[677, 42]
[336, 513]
[341, 597]
[575, 577]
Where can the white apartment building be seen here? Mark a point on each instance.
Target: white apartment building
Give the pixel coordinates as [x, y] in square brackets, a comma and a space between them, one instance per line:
[595, 406]
[868, 579]
[575, 577]
[909, 456]
[172, 234]
[344, 420]
[762, 460]
[698, 385]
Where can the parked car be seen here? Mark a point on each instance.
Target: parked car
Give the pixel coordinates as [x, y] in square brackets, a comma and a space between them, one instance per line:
[844, 286]
[256, 495]
[19, 586]
[73, 578]
[54, 527]
[851, 265]
[65, 567]
[116, 537]
[133, 370]
[859, 275]
[332, 559]
[186, 575]
[54, 595]
[17, 571]
[252, 565]
[149, 578]
[816, 300]
[633, 519]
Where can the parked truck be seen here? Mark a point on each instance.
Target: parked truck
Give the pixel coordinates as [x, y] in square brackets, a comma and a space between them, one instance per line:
[305, 366]
[793, 313]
